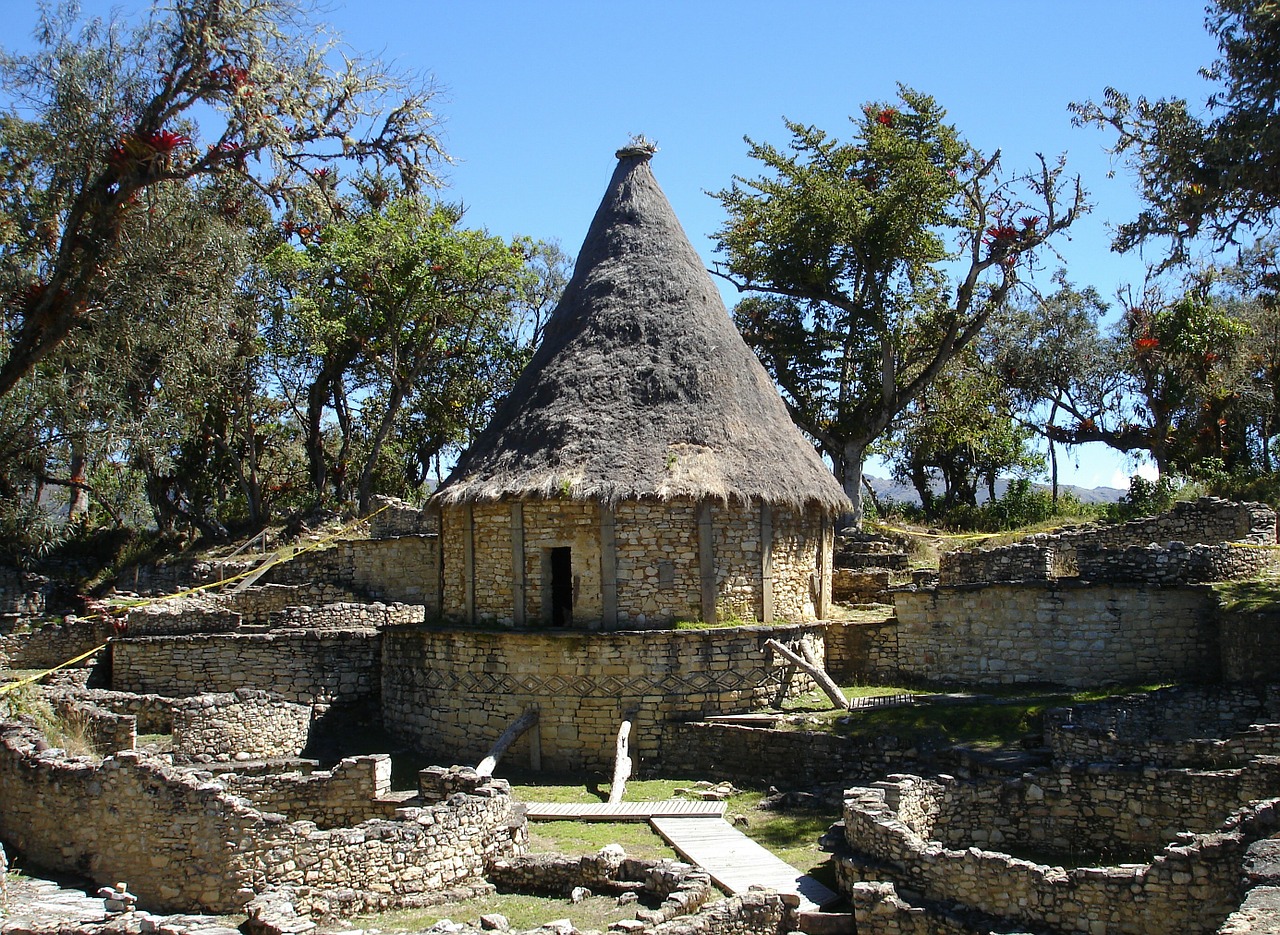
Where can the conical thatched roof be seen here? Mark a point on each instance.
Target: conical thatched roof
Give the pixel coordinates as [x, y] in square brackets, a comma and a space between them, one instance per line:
[642, 386]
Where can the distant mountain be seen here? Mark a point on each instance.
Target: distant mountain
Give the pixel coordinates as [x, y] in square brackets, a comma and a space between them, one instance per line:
[905, 493]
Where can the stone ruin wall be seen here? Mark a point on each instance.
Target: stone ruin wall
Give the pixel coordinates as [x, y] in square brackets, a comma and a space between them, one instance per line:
[354, 790]
[1204, 726]
[301, 666]
[1063, 633]
[788, 759]
[22, 594]
[451, 692]
[109, 819]
[1190, 886]
[1087, 810]
[657, 563]
[1124, 551]
[244, 723]
[52, 644]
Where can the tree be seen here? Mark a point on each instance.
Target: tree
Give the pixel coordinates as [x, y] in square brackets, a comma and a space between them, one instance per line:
[100, 116]
[1214, 174]
[959, 431]
[1051, 357]
[404, 311]
[1177, 363]
[846, 247]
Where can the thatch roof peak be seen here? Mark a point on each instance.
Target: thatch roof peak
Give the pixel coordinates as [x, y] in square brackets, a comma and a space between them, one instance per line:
[638, 148]
[642, 386]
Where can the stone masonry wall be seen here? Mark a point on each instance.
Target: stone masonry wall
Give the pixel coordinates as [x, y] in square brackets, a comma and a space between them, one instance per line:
[1206, 726]
[657, 560]
[860, 649]
[793, 759]
[22, 593]
[1098, 552]
[245, 722]
[302, 666]
[1084, 810]
[349, 616]
[405, 569]
[52, 644]
[451, 692]
[1062, 633]
[355, 789]
[108, 819]
[1187, 887]
[392, 518]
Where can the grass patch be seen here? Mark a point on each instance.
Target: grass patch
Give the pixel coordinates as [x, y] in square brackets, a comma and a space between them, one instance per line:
[1248, 597]
[523, 912]
[996, 718]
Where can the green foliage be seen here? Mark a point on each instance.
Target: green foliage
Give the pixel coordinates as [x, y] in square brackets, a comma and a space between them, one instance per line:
[27, 533]
[1214, 174]
[1145, 498]
[402, 320]
[847, 249]
[103, 117]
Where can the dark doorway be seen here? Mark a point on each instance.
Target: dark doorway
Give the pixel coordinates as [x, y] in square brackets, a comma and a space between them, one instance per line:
[562, 587]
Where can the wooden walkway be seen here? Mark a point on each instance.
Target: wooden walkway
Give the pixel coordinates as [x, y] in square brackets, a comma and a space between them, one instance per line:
[622, 811]
[735, 862]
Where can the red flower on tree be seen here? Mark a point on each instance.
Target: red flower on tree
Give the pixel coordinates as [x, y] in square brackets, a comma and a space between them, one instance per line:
[1146, 343]
[885, 117]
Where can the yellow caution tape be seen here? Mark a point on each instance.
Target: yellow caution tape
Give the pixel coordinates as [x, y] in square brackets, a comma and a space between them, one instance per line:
[278, 559]
[12, 686]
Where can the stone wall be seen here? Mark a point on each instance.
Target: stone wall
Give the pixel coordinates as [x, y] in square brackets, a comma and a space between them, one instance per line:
[1187, 887]
[1062, 632]
[392, 518]
[1250, 645]
[152, 713]
[245, 723]
[108, 819]
[1091, 551]
[255, 605]
[302, 666]
[1205, 726]
[1079, 812]
[22, 593]
[1175, 563]
[354, 790]
[656, 560]
[405, 569]
[793, 759]
[52, 644]
[451, 692]
[349, 616]
[862, 650]
[195, 614]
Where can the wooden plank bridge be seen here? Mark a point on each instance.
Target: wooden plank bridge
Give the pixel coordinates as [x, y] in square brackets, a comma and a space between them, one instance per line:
[698, 832]
[621, 811]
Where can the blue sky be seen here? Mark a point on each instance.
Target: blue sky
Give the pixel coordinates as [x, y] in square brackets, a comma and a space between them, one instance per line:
[536, 96]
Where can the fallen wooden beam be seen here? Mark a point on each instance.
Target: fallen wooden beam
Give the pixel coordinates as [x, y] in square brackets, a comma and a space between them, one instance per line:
[509, 736]
[830, 688]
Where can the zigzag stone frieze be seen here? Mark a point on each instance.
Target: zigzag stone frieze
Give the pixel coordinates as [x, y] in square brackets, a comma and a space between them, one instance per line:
[485, 683]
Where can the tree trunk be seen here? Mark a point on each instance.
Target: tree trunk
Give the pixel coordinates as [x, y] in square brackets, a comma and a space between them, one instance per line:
[849, 473]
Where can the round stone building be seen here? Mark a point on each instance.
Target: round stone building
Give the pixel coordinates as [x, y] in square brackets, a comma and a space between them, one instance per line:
[644, 469]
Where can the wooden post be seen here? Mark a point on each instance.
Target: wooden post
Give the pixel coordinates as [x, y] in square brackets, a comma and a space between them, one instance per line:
[517, 563]
[509, 736]
[621, 765]
[608, 569]
[824, 568]
[816, 673]
[468, 564]
[766, 563]
[707, 561]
